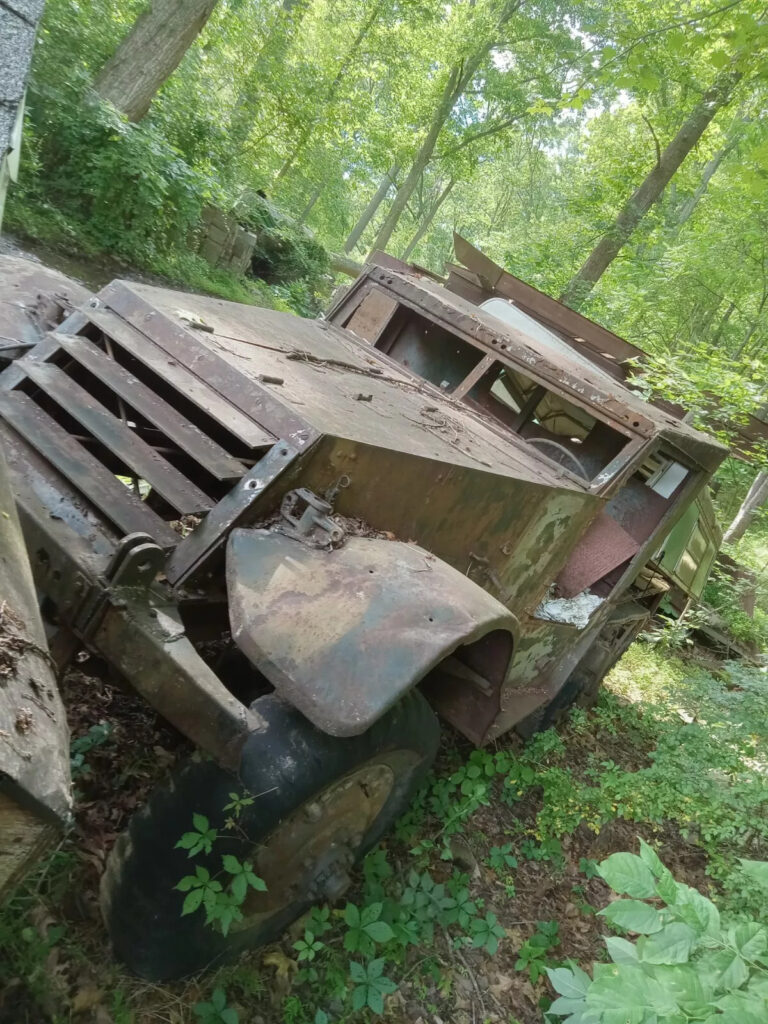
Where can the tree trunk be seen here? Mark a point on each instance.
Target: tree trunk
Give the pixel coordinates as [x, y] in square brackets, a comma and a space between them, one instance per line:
[35, 799]
[756, 496]
[368, 213]
[150, 53]
[425, 224]
[753, 326]
[723, 323]
[633, 211]
[310, 205]
[306, 134]
[458, 80]
[279, 39]
[454, 87]
[341, 264]
[709, 172]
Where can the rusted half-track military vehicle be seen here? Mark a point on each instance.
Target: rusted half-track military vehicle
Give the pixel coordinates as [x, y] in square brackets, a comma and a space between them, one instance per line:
[302, 542]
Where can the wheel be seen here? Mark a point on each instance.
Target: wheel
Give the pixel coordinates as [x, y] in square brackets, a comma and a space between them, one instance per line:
[319, 804]
[547, 715]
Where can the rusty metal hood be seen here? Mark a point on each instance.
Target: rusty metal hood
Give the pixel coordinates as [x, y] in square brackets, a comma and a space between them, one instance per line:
[343, 634]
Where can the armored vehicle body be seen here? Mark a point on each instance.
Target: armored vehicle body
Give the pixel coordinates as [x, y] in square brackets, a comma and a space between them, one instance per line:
[303, 541]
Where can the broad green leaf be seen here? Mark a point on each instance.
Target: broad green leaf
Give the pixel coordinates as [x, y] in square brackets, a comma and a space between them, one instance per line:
[633, 916]
[191, 902]
[375, 1000]
[666, 888]
[672, 945]
[584, 1016]
[750, 939]
[628, 875]
[200, 822]
[231, 864]
[239, 887]
[370, 913]
[566, 982]
[621, 951]
[357, 971]
[696, 910]
[683, 984]
[379, 931]
[375, 968]
[562, 1006]
[651, 859]
[733, 971]
[741, 1008]
[628, 1015]
[629, 990]
[352, 915]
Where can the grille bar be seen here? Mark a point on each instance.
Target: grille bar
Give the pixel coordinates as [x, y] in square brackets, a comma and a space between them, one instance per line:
[92, 479]
[119, 439]
[169, 367]
[210, 455]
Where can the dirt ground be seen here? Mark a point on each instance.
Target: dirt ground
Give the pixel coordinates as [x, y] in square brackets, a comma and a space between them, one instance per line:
[80, 983]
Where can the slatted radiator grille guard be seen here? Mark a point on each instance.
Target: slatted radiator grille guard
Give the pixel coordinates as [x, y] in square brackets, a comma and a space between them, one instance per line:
[141, 437]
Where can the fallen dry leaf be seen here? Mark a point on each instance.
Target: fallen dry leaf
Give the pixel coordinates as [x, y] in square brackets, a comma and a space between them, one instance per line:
[86, 999]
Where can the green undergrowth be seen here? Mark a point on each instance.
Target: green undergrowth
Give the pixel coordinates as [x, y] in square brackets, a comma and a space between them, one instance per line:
[102, 188]
[72, 246]
[490, 884]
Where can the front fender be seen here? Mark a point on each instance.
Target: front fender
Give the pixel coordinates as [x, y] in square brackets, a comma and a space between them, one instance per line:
[343, 634]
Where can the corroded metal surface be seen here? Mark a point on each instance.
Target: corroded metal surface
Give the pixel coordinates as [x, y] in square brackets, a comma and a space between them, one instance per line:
[432, 430]
[32, 299]
[343, 634]
[558, 372]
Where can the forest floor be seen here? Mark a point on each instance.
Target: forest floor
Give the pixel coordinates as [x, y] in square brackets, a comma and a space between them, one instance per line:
[92, 270]
[675, 752]
[74, 257]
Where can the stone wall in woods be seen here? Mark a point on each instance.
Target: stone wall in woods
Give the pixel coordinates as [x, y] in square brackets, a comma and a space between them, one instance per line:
[224, 242]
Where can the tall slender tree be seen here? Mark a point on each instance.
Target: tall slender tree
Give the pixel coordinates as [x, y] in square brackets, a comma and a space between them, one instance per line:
[427, 218]
[756, 496]
[369, 212]
[456, 82]
[651, 189]
[374, 13]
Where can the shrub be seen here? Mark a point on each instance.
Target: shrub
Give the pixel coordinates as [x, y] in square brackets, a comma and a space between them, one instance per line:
[685, 965]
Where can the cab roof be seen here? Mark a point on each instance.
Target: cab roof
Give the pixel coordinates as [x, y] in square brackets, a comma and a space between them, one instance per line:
[555, 365]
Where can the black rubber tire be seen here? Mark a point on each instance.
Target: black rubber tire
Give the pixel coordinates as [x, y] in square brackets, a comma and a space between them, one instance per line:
[551, 714]
[287, 762]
